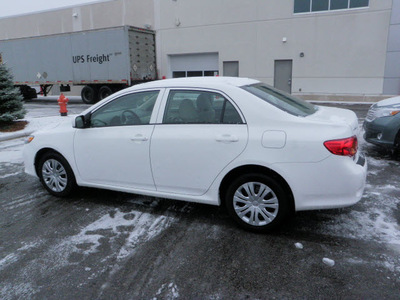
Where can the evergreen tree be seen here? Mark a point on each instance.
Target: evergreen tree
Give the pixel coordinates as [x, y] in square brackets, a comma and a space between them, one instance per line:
[11, 106]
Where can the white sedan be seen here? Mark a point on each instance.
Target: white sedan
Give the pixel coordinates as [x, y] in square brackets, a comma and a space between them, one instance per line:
[216, 140]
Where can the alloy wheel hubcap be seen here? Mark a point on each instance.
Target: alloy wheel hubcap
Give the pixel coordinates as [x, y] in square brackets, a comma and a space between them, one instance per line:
[54, 175]
[255, 204]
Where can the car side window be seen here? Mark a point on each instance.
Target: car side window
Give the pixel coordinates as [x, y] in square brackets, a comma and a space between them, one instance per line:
[199, 107]
[131, 109]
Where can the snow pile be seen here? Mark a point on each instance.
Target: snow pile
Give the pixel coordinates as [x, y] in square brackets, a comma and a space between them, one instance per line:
[299, 245]
[11, 143]
[329, 262]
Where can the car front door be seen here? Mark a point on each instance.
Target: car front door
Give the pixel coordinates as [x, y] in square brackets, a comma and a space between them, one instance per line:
[114, 149]
[201, 132]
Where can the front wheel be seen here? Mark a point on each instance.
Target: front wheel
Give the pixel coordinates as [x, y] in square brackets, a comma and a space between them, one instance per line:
[257, 202]
[396, 146]
[56, 175]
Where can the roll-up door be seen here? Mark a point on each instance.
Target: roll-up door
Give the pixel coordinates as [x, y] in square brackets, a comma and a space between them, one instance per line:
[191, 65]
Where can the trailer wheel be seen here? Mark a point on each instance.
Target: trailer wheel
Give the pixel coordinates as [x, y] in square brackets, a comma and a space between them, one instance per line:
[104, 92]
[89, 94]
[32, 93]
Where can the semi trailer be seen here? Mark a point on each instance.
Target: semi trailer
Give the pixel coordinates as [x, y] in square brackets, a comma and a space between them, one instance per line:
[103, 61]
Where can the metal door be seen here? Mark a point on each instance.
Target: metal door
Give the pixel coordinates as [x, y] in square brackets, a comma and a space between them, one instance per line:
[283, 75]
[231, 68]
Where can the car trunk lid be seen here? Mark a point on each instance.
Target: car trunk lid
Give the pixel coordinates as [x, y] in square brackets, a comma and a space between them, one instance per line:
[336, 116]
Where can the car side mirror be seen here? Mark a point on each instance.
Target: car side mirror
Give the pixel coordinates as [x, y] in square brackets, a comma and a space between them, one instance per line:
[83, 121]
[80, 122]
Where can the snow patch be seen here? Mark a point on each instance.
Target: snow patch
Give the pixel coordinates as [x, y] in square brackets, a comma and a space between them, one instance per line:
[18, 291]
[10, 175]
[22, 200]
[134, 227]
[140, 227]
[14, 257]
[12, 154]
[167, 291]
[375, 224]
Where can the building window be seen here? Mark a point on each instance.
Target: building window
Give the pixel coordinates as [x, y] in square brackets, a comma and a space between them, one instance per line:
[301, 6]
[304, 6]
[358, 3]
[179, 74]
[339, 4]
[320, 5]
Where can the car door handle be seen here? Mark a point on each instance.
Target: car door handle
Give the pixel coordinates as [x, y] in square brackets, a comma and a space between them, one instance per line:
[139, 138]
[227, 138]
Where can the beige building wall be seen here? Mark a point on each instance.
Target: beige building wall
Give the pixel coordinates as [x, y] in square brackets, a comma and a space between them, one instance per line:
[105, 14]
[344, 51]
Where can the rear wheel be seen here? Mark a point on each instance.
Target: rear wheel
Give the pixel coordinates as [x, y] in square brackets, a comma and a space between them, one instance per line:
[89, 94]
[257, 202]
[56, 174]
[104, 92]
[32, 93]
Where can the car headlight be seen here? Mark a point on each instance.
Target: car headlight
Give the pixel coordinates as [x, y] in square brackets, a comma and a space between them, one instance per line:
[379, 112]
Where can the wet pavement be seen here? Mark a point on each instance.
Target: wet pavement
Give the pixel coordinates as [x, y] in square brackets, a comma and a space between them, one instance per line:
[108, 245]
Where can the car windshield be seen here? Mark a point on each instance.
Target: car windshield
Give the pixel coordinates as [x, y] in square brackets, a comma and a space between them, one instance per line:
[281, 100]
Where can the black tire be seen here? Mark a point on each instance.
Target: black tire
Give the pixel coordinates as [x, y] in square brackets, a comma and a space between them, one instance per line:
[89, 94]
[25, 91]
[32, 93]
[271, 209]
[104, 92]
[56, 175]
[396, 146]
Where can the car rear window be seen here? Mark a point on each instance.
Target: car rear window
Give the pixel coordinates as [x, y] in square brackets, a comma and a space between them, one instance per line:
[283, 101]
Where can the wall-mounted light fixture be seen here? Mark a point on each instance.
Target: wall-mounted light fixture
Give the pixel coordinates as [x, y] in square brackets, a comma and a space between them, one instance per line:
[301, 54]
[284, 39]
[75, 15]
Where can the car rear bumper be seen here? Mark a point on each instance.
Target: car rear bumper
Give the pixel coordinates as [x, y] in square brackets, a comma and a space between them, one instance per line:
[332, 183]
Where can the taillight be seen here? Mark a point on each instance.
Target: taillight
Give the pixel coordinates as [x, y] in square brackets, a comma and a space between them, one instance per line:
[345, 147]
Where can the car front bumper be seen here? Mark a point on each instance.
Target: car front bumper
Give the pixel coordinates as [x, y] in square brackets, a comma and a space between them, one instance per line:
[382, 131]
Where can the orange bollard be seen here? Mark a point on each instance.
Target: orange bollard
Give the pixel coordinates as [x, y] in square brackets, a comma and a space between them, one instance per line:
[62, 101]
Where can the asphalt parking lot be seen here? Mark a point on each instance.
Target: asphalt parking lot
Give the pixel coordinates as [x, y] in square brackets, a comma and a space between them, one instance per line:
[108, 245]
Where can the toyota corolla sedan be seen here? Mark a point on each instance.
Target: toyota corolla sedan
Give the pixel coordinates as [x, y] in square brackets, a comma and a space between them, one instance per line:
[382, 124]
[235, 142]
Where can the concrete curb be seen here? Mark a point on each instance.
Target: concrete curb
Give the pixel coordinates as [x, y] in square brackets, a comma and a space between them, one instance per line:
[339, 102]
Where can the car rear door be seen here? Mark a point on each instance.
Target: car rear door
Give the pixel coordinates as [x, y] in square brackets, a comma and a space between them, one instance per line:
[197, 135]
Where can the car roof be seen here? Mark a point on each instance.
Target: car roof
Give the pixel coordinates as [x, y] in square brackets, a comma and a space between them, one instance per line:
[197, 82]
[187, 82]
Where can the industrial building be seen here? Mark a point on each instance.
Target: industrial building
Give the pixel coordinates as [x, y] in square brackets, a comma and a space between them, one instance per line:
[313, 48]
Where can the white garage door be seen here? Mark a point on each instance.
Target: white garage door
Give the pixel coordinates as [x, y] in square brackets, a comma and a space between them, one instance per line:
[190, 65]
